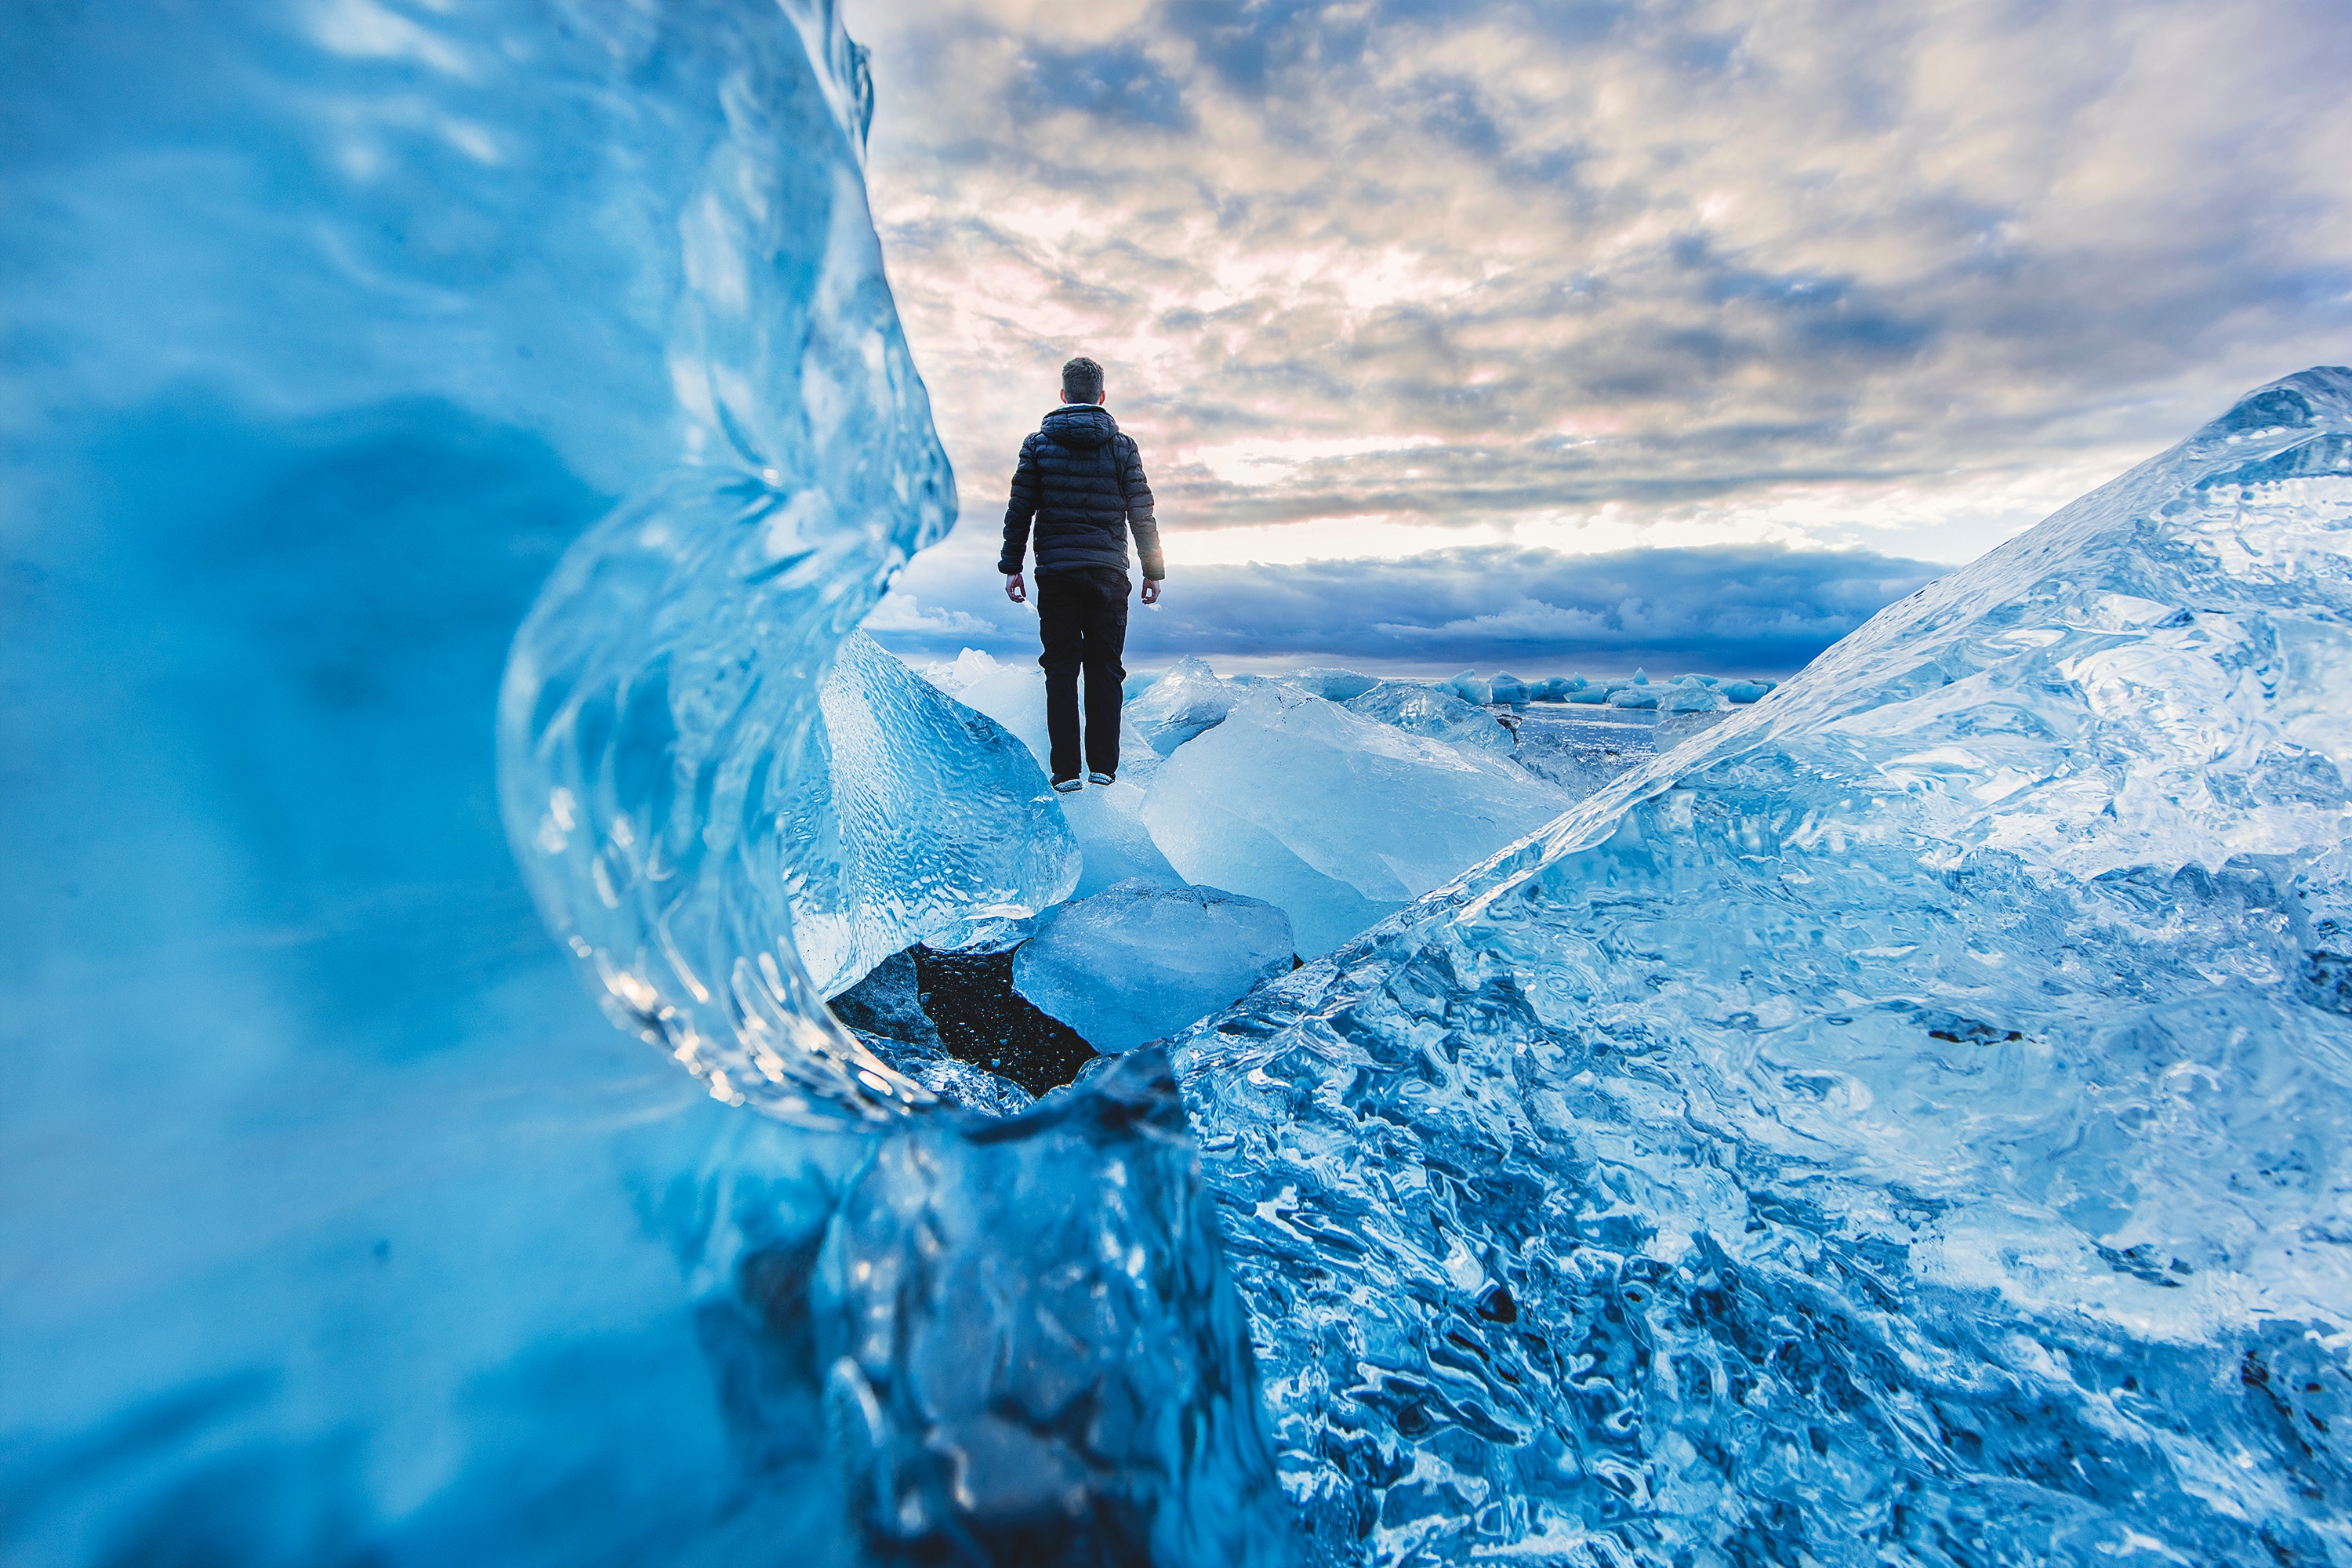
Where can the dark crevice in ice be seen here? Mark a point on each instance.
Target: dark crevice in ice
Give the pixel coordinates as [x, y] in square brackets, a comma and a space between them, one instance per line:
[962, 1004]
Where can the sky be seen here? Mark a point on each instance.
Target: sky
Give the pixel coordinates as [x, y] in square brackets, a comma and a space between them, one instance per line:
[1578, 336]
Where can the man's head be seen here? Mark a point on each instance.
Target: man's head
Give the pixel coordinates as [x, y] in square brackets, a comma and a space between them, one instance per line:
[1082, 381]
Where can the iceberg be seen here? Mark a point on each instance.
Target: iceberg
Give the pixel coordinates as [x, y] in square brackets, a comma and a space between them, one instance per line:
[1186, 701]
[1331, 816]
[1425, 711]
[1904, 1122]
[1138, 960]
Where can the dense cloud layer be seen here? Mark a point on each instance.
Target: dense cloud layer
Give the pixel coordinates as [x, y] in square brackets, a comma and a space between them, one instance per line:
[1378, 279]
[1738, 609]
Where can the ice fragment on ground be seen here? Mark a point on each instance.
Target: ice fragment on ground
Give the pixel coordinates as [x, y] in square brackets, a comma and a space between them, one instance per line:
[1030, 1351]
[1692, 699]
[1745, 690]
[1332, 685]
[1937, 1078]
[1139, 961]
[1180, 704]
[1334, 817]
[1634, 697]
[1106, 820]
[931, 818]
[1425, 711]
[1508, 687]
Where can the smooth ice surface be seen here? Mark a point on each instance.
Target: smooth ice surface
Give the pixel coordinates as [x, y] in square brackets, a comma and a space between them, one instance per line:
[1105, 819]
[1905, 1123]
[1336, 818]
[1186, 701]
[1424, 711]
[1139, 961]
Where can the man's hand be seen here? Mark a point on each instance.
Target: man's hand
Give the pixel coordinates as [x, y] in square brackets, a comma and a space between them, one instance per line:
[1015, 589]
[1151, 590]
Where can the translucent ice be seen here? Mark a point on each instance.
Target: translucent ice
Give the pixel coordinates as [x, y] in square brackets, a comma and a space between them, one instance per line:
[1334, 818]
[1106, 820]
[1692, 699]
[1424, 711]
[339, 1227]
[1333, 685]
[1139, 961]
[914, 819]
[1180, 704]
[1905, 1123]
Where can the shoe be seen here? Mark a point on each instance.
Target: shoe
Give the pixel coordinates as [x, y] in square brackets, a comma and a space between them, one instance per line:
[1102, 778]
[1068, 786]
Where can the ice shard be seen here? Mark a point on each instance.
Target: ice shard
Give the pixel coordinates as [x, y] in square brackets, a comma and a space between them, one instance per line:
[1335, 818]
[1138, 960]
[914, 819]
[1907, 1123]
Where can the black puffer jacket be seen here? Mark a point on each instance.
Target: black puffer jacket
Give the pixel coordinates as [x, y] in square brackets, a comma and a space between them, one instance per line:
[1082, 482]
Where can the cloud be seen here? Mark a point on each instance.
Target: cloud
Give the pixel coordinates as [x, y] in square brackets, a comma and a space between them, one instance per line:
[1409, 277]
[903, 615]
[1754, 610]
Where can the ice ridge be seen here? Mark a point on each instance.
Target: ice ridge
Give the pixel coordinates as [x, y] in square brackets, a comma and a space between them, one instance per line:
[1907, 1123]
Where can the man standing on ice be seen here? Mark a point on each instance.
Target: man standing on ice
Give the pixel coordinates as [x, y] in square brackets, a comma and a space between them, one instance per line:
[1083, 483]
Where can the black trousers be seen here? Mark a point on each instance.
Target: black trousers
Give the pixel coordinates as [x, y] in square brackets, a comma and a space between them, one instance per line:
[1082, 618]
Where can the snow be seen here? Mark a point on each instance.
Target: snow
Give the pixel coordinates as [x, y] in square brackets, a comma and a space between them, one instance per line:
[1336, 818]
[1139, 961]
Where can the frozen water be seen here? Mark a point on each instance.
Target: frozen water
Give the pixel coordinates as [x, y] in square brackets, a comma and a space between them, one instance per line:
[1139, 961]
[923, 820]
[1332, 685]
[1584, 749]
[1425, 711]
[1334, 818]
[1692, 699]
[1106, 820]
[341, 1227]
[1183, 703]
[1039, 1319]
[1905, 1123]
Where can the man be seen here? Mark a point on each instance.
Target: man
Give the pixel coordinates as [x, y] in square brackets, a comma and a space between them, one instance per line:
[1082, 481]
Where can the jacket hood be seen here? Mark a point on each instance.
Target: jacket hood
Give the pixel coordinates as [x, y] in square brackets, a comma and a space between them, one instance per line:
[1081, 425]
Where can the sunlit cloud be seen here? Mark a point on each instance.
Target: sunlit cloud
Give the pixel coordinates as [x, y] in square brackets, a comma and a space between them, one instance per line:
[1390, 278]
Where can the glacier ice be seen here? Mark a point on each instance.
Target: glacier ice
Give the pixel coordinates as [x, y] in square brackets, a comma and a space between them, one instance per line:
[915, 819]
[1139, 961]
[342, 1227]
[1332, 685]
[1335, 818]
[1186, 701]
[1105, 819]
[1905, 1122]
[1425, 711]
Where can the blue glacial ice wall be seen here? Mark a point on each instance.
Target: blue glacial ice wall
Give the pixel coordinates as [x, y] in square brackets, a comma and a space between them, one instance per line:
[1907, 1122]
[340, 1226]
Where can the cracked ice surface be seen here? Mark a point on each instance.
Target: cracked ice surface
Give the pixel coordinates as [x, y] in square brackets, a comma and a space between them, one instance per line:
[1905, 1122]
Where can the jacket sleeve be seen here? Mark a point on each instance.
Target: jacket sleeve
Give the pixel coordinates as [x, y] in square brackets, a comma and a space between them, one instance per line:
[1020, 510]
[1138, 513]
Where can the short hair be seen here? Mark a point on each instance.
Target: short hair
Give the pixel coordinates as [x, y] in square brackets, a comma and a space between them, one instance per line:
[1082, 380]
